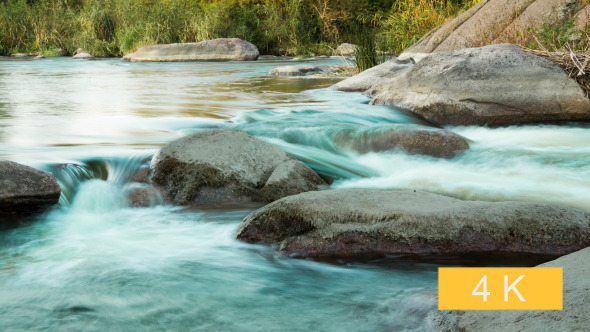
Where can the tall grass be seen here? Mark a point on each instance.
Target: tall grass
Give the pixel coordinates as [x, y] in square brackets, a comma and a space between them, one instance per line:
[282, 27]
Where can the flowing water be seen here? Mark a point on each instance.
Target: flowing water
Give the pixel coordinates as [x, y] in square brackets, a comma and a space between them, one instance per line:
[96, 264]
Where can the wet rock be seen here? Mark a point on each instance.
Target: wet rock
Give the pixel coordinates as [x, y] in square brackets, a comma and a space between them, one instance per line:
[573, 317]
[83, 56]
[38, 57]
[141, 195]
[433, 142]
[23, 55]
[227, 166]
[353, 223]
[365, 80]
[346, 49]
[298, 70]
[221, 49]
[25, 190]
[495, 85]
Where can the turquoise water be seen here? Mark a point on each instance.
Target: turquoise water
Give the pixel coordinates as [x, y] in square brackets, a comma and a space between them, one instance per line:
[95, 264]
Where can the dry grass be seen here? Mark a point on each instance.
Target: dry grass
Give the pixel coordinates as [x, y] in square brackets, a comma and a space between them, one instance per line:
[575, 64]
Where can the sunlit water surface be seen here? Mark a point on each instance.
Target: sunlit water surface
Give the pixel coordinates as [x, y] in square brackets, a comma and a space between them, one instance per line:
[95, 264]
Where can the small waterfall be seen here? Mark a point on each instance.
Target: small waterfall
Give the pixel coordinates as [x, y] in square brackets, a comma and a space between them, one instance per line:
[106, 183]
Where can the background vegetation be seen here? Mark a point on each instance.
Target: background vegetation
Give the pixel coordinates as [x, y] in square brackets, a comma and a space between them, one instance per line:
[280, 27]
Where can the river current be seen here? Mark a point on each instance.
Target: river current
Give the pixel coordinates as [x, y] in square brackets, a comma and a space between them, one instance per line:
[95, 264]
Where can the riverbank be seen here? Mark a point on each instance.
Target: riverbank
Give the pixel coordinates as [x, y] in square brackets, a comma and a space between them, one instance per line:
[303, 27]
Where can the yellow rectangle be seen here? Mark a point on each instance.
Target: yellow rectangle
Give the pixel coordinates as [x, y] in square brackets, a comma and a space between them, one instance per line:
[539, 288]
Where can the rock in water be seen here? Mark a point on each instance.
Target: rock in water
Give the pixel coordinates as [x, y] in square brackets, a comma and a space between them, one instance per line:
[573, 317]
[25, 190]
[221, 49]
[495, 85]
[226, 165]
[439, 143]
[84, 56]
[349, 223]
[299, 70]
[365, 80]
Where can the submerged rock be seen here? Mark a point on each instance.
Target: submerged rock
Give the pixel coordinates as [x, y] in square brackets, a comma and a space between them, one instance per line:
[298, 70]
[495, 85]
[221, 49]
[365, 80]
[349, 223]
[433, 142]
[142, 195]
[25, 190]
[573, 317]
[226, 165]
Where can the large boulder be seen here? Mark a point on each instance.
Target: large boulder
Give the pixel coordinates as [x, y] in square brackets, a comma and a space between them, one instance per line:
[433, 142]
[226, 165]
[499, 21]
[347, 223]
[346, 49]
[573, 317]
[25, 190]
[221, 49]
[365, 80]
[494, 85]
[84, 56]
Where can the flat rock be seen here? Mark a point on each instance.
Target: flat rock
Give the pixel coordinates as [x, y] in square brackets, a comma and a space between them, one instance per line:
[25, 190]
[221, 49]
[494, 85]
[439, 143]
[573, 317]
[297, 70]
[351, 223]
[227, 166]
[365, 80]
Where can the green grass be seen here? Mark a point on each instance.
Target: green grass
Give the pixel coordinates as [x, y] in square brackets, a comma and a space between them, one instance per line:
[280, 27]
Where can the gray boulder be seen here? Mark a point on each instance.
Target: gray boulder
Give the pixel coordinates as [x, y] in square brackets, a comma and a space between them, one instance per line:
[83, 56]
[221, 49]
[494, 85]
[433, 142]
[142, 195]
[298, 70]
[573, 317]
[365, 80]
[349, 223]
[346, 49]
[25, 190]
[226, 165]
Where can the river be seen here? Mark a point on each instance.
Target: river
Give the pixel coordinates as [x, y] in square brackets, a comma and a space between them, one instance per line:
[94, 264]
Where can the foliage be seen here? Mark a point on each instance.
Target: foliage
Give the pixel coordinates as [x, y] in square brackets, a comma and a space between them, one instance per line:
[282, 27]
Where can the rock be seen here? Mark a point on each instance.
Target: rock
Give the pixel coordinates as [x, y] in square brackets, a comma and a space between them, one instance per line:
[25, 190]
[84, 56]
[365, 80]
[78, 51]
[140, 176]
[221, 49]
[433, 142]
[139, 195]
[226, 166]
[494, 85]
[349, 223]
[498, 21]
[573, 317]
[298, 70]
[23, 55]
[346, 49]
[38, 57]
